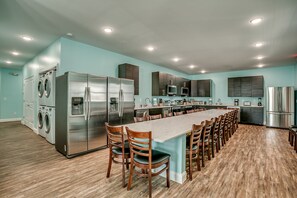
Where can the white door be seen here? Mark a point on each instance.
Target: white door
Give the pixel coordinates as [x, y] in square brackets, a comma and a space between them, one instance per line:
[28, 102]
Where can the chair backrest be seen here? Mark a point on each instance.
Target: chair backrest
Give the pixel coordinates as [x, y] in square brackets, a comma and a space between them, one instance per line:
[140, 143]
[141, 119]
[178, 113]
[202, 109]
[207, 129]
[155, 117]
[115, 136]
[190, 111]
[216, 125]
[170, 114]
[222, 123]
[196, 135]
[197, 110]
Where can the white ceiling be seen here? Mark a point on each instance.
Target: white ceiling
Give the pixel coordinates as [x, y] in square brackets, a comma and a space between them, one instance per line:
[213, 35]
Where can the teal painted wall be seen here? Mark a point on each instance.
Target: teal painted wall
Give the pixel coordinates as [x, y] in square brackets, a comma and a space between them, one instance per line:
[276, 76]
[84, 58]
[11, 91]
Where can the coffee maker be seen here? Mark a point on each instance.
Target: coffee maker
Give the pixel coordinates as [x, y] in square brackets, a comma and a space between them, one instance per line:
[236, 102]
[259, 102]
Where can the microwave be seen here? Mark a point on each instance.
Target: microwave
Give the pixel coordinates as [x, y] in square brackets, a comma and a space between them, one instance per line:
[171, 90]
[184, 91]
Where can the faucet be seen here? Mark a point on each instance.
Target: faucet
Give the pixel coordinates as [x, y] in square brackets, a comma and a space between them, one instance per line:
[149, 100]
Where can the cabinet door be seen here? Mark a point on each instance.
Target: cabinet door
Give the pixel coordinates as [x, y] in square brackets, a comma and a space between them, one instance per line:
[257, 86]
[204, 88]
[193, 88]
[246, 86]
[257, 114]
[245, 115]
[234, 87]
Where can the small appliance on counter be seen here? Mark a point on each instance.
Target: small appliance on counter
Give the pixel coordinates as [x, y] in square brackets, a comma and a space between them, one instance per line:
[236, 102]
[160, 102]
[184, 91]
[247, 103]
[259, 102]
[210, 101]
[155, 102]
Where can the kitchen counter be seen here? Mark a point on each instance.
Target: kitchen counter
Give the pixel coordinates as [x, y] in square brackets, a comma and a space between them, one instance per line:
[151, 107]
[201, 105]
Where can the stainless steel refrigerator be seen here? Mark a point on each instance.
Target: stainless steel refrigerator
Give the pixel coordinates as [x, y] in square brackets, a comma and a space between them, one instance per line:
[82, 109]
[120, 101]
[280, 107]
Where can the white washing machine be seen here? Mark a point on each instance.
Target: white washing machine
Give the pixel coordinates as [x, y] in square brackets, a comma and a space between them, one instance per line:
[40, 87]
[49, 124]
[41, 124]
[50, 88]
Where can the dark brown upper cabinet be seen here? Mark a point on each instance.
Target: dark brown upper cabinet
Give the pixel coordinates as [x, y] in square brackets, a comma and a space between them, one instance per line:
[161, 80]
[249, 86]
[200, 88]
[131, 72]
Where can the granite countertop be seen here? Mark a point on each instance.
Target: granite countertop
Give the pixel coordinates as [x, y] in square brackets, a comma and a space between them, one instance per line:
[151, 107]
[206, 105]
[168, 128]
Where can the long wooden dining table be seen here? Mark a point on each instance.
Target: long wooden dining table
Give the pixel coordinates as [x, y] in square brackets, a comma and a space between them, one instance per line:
[169, 135]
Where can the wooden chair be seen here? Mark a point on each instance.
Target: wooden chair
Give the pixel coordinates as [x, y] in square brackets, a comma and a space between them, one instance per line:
[190, 111]
[118, 149]
[197, 110]
[192, 151]
[145, 158]
[215, 135]
[202, 109]
[178, 113]
[222, 140]
[141, 119]
[155, 117]
[235, 120]
[170, 114]
[205, 141]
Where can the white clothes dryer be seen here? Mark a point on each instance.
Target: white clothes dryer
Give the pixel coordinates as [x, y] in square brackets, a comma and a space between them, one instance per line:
[50, 88]
[49, 123]
[41, 124]
[40, 88]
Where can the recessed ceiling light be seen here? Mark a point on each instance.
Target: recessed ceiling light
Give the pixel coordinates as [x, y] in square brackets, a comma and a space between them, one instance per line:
[192, 66]
[256, 21]
[259, 44]
[69, 34]
[8, 62]
[260, 65]
[176, 59]
[15, 53]
[150, 48]
[107, 30]
[26, 38]
[203, 71]
[259, 57]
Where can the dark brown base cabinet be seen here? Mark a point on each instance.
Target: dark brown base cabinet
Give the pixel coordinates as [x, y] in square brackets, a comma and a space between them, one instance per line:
[252, 115]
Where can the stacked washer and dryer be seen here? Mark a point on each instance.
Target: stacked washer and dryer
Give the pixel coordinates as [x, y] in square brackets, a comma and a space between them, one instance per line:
[46, 112]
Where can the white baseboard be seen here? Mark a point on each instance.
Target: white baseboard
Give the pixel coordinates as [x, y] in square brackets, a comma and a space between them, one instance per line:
[10, 120]
[177, 177]
[30, 125]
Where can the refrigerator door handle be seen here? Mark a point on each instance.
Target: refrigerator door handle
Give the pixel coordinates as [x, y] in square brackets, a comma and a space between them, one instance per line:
[85, 103]
[122, 103]
[89, 103]
[119, 106]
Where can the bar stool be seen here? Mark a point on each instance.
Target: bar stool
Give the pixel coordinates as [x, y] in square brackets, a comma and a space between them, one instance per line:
[190, 111]
[215, 136]
[293, 137]
[118, 148]
[178, 113]
[141, 119]
[170, 114]
[205, 140]
[145, 158]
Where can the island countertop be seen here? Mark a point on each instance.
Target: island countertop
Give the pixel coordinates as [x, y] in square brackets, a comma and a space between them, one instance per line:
[171, 127]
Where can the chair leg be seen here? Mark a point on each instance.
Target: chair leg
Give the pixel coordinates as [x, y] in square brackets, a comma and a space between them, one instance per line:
[130, 175]
[198, 161]
[208, 152]
[190, 166]
[123, 171]
[109, 164]
[127, 163]
[203, 165]
[150, 182]
[212, 149]
[168, 173]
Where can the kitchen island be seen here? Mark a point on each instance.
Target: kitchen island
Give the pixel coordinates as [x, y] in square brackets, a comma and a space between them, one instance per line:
[169, 135]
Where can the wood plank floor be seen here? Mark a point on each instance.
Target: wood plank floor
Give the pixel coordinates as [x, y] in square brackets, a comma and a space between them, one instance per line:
[256, 162]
